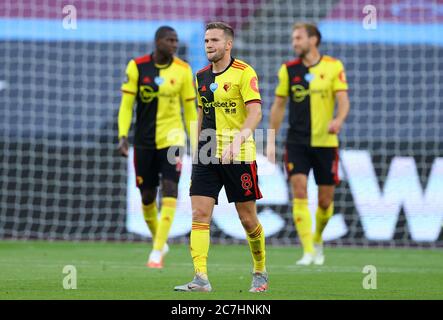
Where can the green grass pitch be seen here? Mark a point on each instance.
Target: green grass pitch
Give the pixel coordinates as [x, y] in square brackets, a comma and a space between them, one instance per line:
[34, 270]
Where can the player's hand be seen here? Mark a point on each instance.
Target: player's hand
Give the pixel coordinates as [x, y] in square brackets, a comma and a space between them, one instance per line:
[178, 164]
[270, 152]
[231, 151]
[335, 126]
[123, 146]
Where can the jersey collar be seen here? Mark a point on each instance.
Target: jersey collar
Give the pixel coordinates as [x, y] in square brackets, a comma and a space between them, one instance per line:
[161, 66]
[313, 65]
[221, 72]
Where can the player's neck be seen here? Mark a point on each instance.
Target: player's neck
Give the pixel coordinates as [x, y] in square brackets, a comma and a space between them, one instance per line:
[160, 58]
[221, 64]
[312, 58]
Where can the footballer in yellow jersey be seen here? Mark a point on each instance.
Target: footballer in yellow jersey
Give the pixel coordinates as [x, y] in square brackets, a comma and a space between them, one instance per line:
[313, 84]
[161, 84]
[311, 91]
[229, 111]
[223, 98]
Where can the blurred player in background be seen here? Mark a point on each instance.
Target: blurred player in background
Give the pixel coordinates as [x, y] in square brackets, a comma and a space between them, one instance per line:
[159, 82]
[313, 83]
[229, 111]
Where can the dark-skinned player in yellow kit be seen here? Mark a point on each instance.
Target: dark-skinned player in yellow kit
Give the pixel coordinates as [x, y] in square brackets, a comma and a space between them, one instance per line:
[313, 83]
[160, 83]
[229, 111]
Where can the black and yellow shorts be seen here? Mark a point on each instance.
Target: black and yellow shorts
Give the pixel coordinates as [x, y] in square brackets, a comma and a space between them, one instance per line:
[239, 179]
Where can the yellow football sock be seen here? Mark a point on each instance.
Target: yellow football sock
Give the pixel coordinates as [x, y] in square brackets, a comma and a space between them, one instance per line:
[166, 219]
[303, 223]
[256, 241]
[322, 217]
[150, 214]
[200, 247]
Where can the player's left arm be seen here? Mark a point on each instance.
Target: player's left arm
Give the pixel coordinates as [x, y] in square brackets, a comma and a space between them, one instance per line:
[251, 95]
[251, 122]
[343, 107]
[340, 88]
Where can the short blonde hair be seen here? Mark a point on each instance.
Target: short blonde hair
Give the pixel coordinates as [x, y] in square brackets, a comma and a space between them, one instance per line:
[310, 28]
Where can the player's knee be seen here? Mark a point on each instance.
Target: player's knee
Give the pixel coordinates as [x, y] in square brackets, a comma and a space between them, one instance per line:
[148, 196]
[324, 202]
[200, 215]
[299, 189]
[169, 189]
[248, 219]
[300, 193]
[249, 222]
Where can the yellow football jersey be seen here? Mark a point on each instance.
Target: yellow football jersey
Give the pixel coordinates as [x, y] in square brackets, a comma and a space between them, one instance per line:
[159, 91]
[223, 97]
[311, 91]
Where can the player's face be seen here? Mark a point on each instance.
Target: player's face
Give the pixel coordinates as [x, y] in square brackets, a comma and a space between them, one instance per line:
[168, 44]
[217, 45]
[301, 42]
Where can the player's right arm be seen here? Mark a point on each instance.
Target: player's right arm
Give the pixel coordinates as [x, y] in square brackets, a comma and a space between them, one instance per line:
[199, 110]
[129, 91]
[199, 117]
[278, 109]
[200, 120]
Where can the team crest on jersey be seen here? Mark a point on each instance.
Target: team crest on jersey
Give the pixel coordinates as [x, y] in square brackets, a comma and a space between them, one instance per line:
[159, 80]
[147, 80]
[172, 81]
[227, 86]
[213, 86]
[309, 77]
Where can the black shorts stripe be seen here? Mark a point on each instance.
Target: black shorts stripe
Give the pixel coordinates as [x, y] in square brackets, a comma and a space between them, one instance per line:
[254, 177]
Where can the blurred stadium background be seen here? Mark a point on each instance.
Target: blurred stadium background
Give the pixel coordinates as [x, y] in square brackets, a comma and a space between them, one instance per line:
[60, 175]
